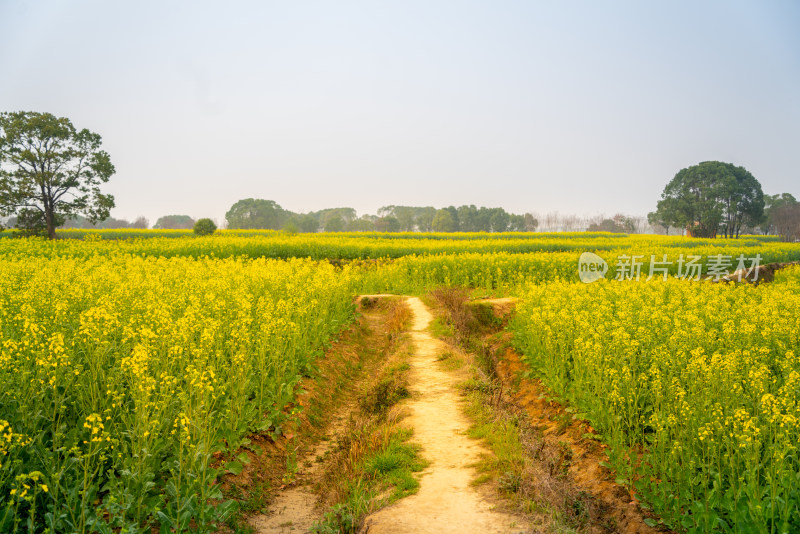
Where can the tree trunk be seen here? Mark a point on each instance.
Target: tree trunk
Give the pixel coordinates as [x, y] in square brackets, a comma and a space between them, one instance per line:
[50, 221]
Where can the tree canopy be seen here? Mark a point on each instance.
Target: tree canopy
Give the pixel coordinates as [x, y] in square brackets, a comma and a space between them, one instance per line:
[256, 213]
[444, 221]
[174, 222]
[711, 198]
[204, 226]
[51, 172]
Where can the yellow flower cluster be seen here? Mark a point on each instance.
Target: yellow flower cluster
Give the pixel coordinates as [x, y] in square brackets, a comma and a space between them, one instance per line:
[9, 441]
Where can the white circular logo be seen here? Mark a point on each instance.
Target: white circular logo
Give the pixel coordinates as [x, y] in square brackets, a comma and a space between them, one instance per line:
[591, 267]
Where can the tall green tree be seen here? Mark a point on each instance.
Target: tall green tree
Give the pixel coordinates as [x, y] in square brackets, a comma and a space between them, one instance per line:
[51, 172]
[468, 218]
[499, 220]
[443, 221]
[710, 197]
[424, 218]
[256, 213]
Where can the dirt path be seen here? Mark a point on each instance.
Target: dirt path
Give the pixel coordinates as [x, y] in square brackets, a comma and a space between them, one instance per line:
[446, 501]
[295, 509]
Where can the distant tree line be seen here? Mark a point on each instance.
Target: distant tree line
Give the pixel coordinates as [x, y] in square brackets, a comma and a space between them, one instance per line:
[111, 223]
[254, 213]
[167, 222]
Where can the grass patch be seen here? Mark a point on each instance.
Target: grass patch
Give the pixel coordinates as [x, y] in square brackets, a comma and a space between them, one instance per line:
[373, 466]
[450, 361]
[374, 461]
[390, 388]
[441, 328]
[500, 433]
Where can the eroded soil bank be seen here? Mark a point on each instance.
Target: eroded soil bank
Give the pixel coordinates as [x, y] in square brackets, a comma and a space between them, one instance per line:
[558, 430]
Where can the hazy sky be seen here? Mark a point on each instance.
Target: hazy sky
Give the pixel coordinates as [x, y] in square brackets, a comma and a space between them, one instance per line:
[578, 107]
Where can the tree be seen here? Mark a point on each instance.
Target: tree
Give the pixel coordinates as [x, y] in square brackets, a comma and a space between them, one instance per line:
[50, 171]
[405, 216]
[468, 218]
[516, 223]
[387, 224]
[140, 222]
[256, 213]
[658, 219]
[772, 203]
[335, 223]
[531, 223]
[443, 221]
[174, 222]
[711, 197]
[305, 223]
[346, 214]
[499, 220]
[204, 226]
[425, 218]
[363, 224]
[81, 222]
[786, 219]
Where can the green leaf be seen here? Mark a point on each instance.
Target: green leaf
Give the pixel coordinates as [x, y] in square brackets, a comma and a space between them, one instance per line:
[234, 467]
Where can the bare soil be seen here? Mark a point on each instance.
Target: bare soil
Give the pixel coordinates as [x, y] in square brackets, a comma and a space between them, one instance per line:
[294, 507]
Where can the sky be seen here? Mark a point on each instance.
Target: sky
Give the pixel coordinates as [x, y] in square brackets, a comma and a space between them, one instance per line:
[580, 107]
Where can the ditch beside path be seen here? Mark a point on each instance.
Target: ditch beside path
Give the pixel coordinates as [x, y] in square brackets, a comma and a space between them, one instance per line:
[446, 501]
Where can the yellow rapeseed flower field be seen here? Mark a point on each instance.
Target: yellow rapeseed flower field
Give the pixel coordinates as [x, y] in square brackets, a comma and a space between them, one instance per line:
[695, 386]
[121, 375]
[129, 359]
